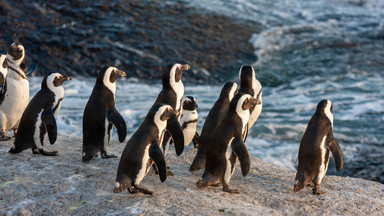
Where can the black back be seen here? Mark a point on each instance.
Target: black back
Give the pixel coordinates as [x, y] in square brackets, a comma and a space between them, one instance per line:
[95, 113]
[212, 122]
[43, 99]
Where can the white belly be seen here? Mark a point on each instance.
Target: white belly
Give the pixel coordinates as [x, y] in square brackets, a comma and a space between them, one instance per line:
[144, 169]
[190, 131]
[228, 170]
[15, 101]
[256, 112]
[36, 134]
[323, 167]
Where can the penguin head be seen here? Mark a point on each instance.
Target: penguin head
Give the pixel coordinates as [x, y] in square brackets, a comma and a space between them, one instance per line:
[108, 76]
[53, 81]
[161, 113]
[246, 76]
[173, 76]
[16, 53]
[189, 103]
[324, 107]
[242, 102]
[229, 90]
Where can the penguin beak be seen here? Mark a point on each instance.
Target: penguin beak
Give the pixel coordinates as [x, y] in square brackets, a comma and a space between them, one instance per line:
[120, 73]
[184, 67]
[67, 78]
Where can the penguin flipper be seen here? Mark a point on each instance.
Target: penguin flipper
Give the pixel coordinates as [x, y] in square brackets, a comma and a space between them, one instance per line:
[32, 68]
[174, 128]
[157, 156]
[336, 152]
[246, 133]
[196, 140]
[48, 118]
[242, 153]
[117, 120]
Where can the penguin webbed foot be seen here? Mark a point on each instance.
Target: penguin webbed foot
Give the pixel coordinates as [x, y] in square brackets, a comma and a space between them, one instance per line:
[316, 190]
[35, 151]
[47, 153]
[139, 188]
[4, 137]
[215, 185]
[104, 155]
[228, 190]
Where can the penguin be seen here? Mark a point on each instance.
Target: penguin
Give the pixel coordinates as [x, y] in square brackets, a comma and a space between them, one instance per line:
[315, 147]
[172, 94]
[100, 113]
[38, 118]
[142, 149]
[3, 70]
[188, 123]
[250, 85]
[14, 96]
[228, 145]
[212, 122]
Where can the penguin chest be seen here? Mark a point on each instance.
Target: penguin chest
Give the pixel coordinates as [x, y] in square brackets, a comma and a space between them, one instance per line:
[179, 90]
[188, 123]
[144, 166]
[255, 113]
[230, 165]
[15, 101]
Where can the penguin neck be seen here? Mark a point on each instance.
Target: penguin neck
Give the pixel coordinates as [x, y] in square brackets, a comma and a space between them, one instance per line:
[14, 69]
[244, 116]
[178, 88]
[111, 86]
[58, 91]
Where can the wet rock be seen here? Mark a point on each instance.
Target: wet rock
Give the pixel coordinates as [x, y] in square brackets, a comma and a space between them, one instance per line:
[79, 37]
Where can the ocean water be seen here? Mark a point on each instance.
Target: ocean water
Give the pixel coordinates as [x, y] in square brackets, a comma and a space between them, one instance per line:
[307, 51]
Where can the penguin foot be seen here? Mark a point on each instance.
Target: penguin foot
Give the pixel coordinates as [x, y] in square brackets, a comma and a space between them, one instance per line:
[104, 155]
[201, 183]
[228, 190]
[47, 153]
[86, 158]
[317, 191]
[215, 185]
[5, 138]
[170, 173]
[35, 151]
[120, 188]
[143, 190]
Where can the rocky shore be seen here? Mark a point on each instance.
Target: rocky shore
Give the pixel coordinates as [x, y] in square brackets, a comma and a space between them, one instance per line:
[36, 185]
[140, 37]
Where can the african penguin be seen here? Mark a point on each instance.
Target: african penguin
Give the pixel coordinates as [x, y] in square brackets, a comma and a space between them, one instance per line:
[172, 94]
[228, 144]
[100, 113]
[3, 70]
[14, 96]
[188, 123]
[212, 122]
[315, 147]
[250, 85]
[142, 149]
[38, 118]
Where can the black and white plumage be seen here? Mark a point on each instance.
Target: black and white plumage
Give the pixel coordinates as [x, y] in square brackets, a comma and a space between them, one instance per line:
[3, 70]
[315, 147]
[142, 149]
[212, 122]
[100, 113]
[172, 94]
[14, 96]
[38, 118]
[188, 123]
[228, 145]
[250, 85]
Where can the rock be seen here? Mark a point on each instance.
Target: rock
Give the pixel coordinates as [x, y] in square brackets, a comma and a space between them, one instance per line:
[37, 185]
[80, 37]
